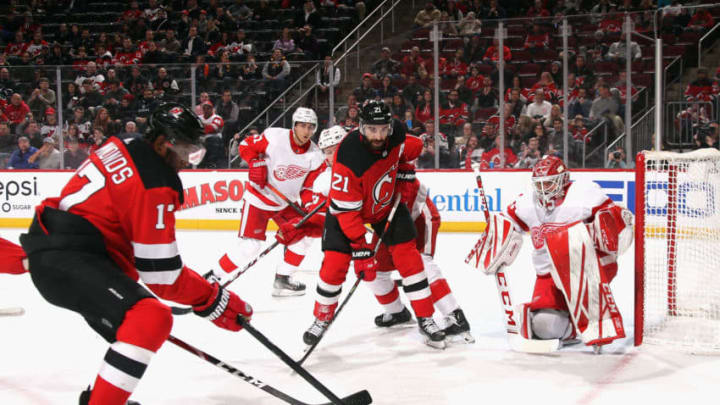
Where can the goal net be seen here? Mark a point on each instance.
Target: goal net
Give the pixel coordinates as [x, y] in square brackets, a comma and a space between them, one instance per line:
[677, 249]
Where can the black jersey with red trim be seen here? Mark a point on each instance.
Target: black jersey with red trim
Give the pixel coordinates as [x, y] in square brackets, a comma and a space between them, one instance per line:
[362, 186]
[130, 195]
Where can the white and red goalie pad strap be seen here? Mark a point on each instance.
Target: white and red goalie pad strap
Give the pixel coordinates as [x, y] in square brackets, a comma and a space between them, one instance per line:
[498, 246]
[576, 272]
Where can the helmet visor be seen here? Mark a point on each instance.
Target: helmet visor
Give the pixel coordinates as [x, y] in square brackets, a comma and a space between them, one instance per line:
[193, 153]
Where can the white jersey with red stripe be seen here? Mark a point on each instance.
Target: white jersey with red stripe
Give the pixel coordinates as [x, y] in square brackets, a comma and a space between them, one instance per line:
[582, 200]
[213, 124]
[288, 165]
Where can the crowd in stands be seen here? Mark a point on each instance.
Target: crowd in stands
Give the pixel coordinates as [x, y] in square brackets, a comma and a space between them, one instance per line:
[534, 100]
[121, 59]
[125, 58]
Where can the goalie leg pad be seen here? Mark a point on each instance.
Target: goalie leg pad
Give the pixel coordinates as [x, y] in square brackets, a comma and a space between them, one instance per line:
[498, 246]
[576, 272]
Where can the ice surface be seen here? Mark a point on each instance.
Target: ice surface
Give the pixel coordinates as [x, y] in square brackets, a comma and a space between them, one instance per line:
[49, 355]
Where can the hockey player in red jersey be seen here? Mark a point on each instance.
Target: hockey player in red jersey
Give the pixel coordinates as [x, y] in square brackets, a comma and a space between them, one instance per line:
[427, 223]
[362, 190]
[12, 258]
[114, 223]
[282, 158]
[577, 233]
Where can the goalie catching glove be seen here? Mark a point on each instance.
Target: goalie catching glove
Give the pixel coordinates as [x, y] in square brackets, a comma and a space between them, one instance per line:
[612, 229]
[223, 307]
[498, 246]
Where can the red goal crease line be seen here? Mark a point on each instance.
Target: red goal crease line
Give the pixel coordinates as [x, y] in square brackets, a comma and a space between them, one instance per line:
[234, 224]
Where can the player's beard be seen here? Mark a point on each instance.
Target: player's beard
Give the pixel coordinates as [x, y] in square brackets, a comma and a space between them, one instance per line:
[377, 145]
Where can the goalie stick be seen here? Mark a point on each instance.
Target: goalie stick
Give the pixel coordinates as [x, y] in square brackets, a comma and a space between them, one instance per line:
[187, 310]
[517, 342]
[357, 282]
[358, 398]
[12, 311]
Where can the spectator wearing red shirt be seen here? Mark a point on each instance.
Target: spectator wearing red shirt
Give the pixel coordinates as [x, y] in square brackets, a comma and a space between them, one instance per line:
[18, 46]
[492, 159]
[537, 39]
[493, 53]
[547, 84]
[538, 10]
[579, 131]
[17, 110]
[128, 55]
[701, 20]
[456, 66]
[454, 112]
[132, 14]
[475, 81]
[701, 89]
[621, 86]
[424, 109]
[411, 62]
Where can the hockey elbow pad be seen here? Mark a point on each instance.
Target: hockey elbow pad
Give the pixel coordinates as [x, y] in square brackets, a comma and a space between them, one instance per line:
[498, 246]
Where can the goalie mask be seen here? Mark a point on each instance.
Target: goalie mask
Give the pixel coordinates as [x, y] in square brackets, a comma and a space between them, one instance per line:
[550, 179]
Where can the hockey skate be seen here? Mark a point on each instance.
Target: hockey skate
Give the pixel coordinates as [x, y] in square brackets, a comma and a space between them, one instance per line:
[315, 332]
[387, 320]
[85, 398]
[286, 287]
[458, 328]
[434, 336]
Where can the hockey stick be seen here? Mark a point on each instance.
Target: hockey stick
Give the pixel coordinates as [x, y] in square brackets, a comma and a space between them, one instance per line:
[279, 193]
[517, 342]
[362, 397]
[187, 310]
[359, 398]
[12, 311]
[357, 282]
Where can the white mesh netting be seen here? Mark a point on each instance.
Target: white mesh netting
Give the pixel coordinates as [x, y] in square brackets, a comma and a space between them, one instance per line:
[681, 233]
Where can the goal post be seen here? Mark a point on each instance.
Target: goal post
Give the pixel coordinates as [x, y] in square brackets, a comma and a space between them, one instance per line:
[677, 249]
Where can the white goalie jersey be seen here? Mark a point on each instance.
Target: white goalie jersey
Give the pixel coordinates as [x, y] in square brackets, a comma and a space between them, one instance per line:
[582, 201]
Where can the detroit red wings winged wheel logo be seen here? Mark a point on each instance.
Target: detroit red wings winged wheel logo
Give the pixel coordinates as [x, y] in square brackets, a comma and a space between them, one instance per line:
[289, 172]
[538, 233]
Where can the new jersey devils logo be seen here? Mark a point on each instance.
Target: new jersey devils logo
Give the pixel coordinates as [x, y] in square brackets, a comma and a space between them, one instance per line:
[538, 233]
[289, 172]
[382, 191]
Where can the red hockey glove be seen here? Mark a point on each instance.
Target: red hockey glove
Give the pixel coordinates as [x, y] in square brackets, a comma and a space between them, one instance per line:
[363, 256]
[258, 173]
[289, 232]
[223, 308]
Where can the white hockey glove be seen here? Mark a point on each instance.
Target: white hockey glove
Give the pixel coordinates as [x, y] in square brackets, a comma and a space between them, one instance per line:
[498, 246]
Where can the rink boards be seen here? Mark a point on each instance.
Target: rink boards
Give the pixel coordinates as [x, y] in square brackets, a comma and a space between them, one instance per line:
[212, 198]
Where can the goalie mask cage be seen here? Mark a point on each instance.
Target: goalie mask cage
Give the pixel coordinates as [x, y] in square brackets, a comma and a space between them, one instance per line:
[677, 250]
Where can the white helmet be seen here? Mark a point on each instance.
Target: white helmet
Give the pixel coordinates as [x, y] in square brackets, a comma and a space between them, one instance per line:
[331, 137]
[303, 114]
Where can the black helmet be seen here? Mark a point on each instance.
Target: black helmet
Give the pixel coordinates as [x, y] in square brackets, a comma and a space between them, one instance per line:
[176, 122]
[375, 113]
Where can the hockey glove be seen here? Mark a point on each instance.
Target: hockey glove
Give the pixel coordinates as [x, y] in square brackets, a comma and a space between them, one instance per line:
[406, 185]
[363, 256]
[289, 232]
[258, 173]
[223, 307]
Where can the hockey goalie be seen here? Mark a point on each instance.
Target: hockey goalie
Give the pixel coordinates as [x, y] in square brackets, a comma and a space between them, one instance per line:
[577, 233]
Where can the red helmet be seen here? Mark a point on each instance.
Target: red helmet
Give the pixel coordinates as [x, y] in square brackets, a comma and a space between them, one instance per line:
[550, 178]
